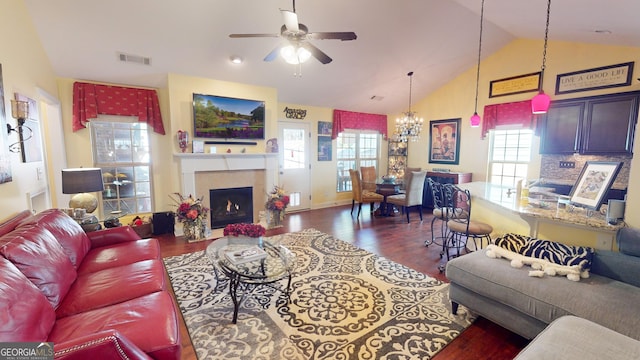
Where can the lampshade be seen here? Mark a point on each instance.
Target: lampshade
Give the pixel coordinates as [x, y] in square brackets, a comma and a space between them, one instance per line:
[540, 103]
[81, 180]
[475, 120]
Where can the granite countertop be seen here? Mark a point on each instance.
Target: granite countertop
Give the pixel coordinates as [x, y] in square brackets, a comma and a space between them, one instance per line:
[500, 196]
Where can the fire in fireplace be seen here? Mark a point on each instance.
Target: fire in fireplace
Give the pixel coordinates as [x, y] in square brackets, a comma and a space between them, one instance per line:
[231, 205]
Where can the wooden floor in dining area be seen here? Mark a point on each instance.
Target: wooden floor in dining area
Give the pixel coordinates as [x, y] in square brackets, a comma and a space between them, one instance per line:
[394, 239]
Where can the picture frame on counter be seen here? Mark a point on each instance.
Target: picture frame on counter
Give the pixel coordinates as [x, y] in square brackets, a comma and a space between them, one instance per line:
[597, 78]
[594, 182]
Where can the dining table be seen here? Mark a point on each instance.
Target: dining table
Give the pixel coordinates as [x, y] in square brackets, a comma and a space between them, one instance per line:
[387, 188]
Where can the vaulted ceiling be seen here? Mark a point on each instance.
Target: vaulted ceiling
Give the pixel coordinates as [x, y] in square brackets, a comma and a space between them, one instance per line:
[436, 39]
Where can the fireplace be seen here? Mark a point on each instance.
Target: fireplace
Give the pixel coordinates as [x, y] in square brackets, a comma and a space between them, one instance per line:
[231, 205]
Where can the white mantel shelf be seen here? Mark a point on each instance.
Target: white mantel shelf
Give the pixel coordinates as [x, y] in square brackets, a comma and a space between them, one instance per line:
[191, 163]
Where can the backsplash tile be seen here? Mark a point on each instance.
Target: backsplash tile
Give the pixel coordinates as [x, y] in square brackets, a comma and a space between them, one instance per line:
[551, 172]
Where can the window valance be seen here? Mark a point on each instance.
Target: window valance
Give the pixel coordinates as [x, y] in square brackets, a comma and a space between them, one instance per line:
[89, 100]
[360, 121]
[515, 113]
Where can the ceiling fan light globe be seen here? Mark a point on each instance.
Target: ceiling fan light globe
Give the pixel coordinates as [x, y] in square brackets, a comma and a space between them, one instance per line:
[295, 55]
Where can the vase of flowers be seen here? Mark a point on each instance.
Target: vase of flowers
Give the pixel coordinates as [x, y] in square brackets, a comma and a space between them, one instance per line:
[276, 206]
[193, 216]
[240, 230]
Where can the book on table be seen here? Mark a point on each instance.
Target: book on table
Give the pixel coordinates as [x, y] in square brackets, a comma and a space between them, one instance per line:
[251, 253]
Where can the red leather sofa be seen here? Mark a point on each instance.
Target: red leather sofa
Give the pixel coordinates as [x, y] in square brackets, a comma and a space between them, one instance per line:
[96, 295]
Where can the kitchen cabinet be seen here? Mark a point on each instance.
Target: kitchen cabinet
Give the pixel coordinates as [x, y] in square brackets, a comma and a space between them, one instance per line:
[397, 161]
[443, 177]
[599, 125]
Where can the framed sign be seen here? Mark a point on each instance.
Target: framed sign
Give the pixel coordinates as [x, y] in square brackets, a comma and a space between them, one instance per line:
[596, 78]
[515, 85]
[444, 141]
[593, 183]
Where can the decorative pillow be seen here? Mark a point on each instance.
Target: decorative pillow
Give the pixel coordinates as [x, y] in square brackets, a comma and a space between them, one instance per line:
[37, 254]
[546, 257]
[26, 314]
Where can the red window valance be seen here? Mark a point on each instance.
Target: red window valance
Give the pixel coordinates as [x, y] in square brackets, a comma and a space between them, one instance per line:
[360, 121]
[515, 113]
[89, 100]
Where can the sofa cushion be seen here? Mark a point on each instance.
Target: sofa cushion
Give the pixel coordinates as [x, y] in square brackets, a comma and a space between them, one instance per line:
[617, 266]
[38, 255]
[628, 240]
[571, 337]
[26, 314]
[149, 321]
[548, 298]
[119, 254]
[111, 286]
[69, 234]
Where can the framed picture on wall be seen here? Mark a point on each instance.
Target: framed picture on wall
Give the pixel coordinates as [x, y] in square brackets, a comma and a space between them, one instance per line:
[324, 148]
[324, 128]
[593, 183]
[444, 141]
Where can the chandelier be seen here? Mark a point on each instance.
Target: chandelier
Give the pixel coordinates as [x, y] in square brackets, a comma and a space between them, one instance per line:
[409, 126]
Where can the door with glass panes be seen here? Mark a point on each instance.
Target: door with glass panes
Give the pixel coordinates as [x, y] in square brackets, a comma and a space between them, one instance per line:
[293, 138]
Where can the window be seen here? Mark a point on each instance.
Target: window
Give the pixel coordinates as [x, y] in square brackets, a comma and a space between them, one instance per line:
[354, 151]
[121, 149]
[510, 156]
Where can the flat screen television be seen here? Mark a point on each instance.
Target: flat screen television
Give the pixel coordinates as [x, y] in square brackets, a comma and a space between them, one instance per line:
[227, 118]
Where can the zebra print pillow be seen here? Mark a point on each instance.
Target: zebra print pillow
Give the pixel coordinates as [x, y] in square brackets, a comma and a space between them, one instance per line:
[551, 251]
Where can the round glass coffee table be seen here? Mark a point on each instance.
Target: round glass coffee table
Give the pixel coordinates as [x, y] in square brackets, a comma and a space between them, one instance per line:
[249, 263]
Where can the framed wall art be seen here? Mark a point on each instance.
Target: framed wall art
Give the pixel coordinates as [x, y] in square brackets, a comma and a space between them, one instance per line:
[444, 141]
[597, 78]
[593, 183]
[5, 162]
[515, 85]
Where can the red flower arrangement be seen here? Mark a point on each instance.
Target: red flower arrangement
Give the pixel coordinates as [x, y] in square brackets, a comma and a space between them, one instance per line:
[250, 230]
[277, 199]
[189, 209]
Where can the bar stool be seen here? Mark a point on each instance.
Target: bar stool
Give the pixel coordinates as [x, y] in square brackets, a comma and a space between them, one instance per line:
[460, 226]
[440, 212]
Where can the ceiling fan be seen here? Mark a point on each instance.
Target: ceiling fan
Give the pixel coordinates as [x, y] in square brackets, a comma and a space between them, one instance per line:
[296, 48]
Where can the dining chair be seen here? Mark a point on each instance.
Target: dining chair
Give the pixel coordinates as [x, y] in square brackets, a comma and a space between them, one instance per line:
[361, 195]
[368, 178]
[460, 226]
[413, 193]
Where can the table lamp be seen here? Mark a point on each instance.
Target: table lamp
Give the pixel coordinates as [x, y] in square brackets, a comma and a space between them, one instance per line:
[82, 182]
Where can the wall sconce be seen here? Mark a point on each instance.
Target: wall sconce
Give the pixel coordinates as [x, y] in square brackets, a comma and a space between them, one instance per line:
[20, 112]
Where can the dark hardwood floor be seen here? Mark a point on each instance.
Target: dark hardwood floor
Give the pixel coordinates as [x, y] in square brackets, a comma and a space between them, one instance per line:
[397, 240]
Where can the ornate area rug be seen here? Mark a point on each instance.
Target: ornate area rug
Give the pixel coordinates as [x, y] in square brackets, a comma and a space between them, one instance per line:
[345, 303]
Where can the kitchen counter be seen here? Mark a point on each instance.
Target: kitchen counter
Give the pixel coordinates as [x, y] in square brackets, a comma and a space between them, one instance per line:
[500, 198]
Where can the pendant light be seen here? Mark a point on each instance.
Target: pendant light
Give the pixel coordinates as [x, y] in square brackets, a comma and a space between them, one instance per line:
[409, 126]
[540, 103]
[475, 119]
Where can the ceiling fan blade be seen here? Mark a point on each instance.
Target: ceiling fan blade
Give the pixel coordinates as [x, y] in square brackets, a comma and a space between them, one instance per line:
[252, 35]
[290, 20]
[273, 54]
[344, 36]
[317, 53]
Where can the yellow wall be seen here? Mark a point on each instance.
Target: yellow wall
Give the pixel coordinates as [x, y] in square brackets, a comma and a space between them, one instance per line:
[25, 70]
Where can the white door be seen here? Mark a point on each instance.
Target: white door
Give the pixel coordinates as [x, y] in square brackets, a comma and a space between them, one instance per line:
[294, 163]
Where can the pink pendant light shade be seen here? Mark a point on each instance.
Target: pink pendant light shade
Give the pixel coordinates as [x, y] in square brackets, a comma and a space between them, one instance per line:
[540, 103]
[475, 120]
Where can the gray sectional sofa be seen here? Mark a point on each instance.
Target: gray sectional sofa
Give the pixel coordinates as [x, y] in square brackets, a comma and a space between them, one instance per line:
[526, 305]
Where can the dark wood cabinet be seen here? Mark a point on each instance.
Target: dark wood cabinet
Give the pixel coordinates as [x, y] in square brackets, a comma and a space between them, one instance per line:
[595, 125]
[442, 177]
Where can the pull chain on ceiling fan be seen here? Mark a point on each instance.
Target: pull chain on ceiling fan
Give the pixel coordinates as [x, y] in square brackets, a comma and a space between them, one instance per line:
[296, 48]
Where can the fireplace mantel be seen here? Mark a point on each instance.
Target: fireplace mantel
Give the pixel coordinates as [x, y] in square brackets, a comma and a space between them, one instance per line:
[190, 164]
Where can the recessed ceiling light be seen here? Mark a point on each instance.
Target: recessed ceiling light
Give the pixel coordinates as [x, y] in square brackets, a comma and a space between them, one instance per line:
[236, 59]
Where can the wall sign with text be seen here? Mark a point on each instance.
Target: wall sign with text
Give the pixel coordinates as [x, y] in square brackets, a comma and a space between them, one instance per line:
[290, 113]
[596, 78]
[515, 85]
